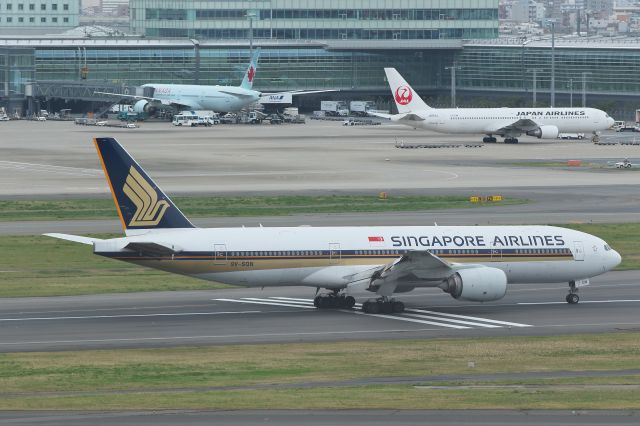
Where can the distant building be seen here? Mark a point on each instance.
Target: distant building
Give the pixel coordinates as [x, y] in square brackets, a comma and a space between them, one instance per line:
[38, 16]
[316, 19]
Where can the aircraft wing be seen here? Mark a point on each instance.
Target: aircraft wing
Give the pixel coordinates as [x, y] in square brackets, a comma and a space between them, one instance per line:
[123, 96]
[237, 95]
[380, 114]
[410, 267]
[174, 102]
[521, 126]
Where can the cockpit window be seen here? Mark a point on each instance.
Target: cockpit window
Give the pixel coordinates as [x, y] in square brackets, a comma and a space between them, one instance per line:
[606, 247]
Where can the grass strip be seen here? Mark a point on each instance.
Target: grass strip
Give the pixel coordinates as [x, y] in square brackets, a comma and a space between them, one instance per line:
[12, 210]
[180, 378]
[44, 266]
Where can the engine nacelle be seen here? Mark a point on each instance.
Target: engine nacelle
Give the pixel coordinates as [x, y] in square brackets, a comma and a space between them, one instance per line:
[545, 132]
[481, 284]
[143, 106]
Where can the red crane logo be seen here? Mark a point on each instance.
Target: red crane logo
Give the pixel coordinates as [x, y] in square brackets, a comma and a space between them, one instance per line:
[404, 95]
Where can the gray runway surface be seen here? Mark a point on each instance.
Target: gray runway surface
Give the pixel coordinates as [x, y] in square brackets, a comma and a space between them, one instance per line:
[274, 315]
[328, 417]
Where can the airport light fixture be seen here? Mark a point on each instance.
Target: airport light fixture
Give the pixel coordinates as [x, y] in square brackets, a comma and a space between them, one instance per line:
[553, 62]
[251, 14]
[584, 88]
[571, 92]
[453, 69]
[535, 83]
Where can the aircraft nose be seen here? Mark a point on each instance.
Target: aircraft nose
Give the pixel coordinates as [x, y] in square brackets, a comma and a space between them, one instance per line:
[613, 259]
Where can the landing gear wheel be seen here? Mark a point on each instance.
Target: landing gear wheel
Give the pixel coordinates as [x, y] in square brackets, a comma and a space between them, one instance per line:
[349, 302]
[333, 301]
[371, 307]
[572, 298]
[397, 307]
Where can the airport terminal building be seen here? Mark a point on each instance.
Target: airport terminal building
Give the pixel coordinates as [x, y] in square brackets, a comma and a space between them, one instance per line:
[323, 45]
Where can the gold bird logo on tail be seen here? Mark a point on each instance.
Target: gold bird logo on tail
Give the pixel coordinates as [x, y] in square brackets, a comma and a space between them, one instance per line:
[149, 211]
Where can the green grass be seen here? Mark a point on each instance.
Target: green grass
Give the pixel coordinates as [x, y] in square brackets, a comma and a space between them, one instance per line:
[44, 266]
[623, 237]
[179, 378]
[11, 210]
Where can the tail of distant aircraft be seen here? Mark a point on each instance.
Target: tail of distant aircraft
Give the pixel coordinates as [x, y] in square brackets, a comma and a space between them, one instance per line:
[407, 100]
[140, 202]
[247, 81]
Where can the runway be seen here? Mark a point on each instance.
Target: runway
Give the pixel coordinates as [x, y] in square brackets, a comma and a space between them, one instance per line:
[324, 417]
[278, 315]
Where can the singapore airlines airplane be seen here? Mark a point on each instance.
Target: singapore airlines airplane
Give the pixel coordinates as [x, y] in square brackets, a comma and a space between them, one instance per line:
[542, 123]
[473, 263]
[180, 97]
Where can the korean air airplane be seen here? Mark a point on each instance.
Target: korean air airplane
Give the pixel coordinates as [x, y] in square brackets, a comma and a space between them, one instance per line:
[180, 97]
[472, 263]
[510, 123]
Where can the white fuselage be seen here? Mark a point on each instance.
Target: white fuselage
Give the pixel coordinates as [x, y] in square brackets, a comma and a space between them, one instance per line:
[491, 120]
[330, 257]
[215, 98]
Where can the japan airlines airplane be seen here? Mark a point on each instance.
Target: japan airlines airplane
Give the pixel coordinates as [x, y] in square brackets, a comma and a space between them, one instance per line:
[473, 263]
[542, 123]
[199, 97]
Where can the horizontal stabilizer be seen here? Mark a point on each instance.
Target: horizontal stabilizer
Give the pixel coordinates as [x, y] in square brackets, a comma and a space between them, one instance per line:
[408, 117]
[152, 249]
[74, 238]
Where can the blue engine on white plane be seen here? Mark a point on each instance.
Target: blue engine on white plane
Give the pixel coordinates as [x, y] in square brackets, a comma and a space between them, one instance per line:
[480, 284]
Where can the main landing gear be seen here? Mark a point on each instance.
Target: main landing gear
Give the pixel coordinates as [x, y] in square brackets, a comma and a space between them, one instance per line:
[572, 298]
[334, 300]
[383, 305]
[489, 139]
[511, 140]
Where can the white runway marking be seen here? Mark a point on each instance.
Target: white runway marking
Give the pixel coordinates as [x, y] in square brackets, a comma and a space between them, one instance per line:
[582, 301]
[126, 316]
[421, 316]
[451, 174]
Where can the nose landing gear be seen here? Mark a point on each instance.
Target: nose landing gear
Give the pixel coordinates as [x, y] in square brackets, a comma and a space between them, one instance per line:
[572, 298]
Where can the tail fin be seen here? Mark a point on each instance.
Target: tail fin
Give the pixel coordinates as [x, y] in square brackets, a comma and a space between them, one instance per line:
[247, 81]
[140, 203]
[407, 100]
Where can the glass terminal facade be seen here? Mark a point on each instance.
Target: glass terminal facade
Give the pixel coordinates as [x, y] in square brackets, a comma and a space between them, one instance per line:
[38, 14]
[316, 19]
[484, 67]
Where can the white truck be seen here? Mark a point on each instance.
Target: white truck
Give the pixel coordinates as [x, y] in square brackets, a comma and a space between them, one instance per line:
[361, 108]
[334, 108]
[196, 118]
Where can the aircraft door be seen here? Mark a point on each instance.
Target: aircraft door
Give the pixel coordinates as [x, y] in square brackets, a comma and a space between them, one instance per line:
[219, 254]
[334, 252]
[578, 251]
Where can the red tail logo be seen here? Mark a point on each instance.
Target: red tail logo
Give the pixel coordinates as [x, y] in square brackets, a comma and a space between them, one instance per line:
[250, 73]
[404, 95]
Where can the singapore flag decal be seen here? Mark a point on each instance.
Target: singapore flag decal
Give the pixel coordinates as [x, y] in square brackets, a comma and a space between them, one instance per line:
[376, 239]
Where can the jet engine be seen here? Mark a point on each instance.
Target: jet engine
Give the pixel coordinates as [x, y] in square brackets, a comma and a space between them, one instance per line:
[481, 284]
[545, 132]
[143, 106]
